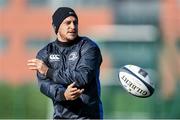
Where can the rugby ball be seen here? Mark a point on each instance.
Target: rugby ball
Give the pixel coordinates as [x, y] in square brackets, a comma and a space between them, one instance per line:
[136, 81]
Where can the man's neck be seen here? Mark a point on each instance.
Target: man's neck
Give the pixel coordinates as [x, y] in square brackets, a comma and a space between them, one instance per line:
[61, 39]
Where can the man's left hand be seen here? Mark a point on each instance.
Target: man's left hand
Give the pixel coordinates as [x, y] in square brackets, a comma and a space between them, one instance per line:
[39, 65]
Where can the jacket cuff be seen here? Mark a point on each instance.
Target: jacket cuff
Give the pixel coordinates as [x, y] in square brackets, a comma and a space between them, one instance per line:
[60, 95]
[50, 73]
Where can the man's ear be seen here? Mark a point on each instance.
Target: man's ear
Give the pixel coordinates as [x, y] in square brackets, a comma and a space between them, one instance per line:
[58, 34]
[54, 27]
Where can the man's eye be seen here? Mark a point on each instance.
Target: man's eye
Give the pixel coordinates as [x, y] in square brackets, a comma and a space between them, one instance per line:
[68, 22]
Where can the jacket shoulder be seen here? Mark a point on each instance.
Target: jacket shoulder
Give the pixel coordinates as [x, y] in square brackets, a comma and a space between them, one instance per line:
[89, 43]
[44, 52]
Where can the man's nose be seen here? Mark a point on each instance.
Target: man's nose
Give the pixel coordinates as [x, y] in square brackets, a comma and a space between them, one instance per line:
[73, 26]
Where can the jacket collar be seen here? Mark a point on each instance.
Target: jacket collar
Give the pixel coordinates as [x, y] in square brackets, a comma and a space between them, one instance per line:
[68, 44]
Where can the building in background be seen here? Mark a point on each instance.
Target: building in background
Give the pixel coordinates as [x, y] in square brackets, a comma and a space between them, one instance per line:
[25, 25]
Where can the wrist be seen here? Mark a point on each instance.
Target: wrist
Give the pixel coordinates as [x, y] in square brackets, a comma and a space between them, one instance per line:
[65, 96]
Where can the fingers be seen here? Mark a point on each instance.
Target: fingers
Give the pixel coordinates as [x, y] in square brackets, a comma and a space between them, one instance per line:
[71, 85]
[32, 60]
[32, 68]
[76, 94]
[81, 91]
[36, 64]
[78, 91]
[72, 92]
[33, 64]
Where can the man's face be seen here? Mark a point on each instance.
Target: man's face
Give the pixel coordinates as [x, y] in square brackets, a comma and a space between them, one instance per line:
[68, 29]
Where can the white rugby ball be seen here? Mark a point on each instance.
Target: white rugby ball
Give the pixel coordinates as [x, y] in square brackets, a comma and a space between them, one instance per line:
[136, 81]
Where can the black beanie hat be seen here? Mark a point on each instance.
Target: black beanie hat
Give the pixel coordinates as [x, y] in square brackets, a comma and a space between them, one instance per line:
[60, 14]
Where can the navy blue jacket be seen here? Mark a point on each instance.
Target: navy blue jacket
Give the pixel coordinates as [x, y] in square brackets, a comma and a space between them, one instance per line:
[78, 61]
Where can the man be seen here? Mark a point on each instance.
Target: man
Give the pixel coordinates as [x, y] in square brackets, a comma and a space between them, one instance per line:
[68, 70]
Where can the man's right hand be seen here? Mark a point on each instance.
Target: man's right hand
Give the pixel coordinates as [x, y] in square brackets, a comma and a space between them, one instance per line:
[72, 92]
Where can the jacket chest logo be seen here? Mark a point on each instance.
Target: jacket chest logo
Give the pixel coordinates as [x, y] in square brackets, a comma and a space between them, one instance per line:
[72, 56]
[54, 57]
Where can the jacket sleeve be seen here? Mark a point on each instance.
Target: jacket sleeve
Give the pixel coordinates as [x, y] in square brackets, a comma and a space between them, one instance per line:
[86, 69]
[48, 87]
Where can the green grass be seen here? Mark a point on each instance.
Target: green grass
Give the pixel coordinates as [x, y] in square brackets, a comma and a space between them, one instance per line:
[24, 101]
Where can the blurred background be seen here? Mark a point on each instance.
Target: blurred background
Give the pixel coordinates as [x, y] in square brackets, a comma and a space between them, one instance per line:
[140, 32]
